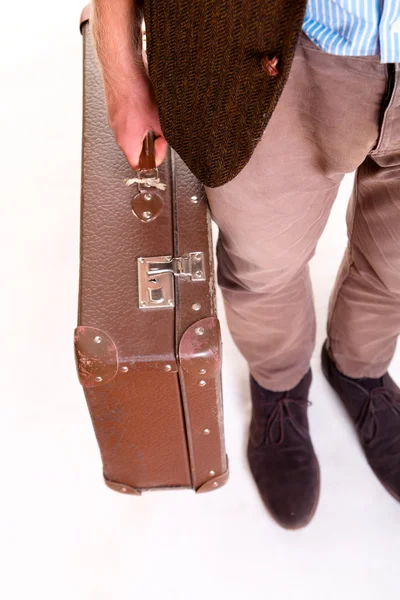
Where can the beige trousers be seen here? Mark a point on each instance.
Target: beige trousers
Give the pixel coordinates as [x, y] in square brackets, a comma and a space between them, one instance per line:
[336, 114]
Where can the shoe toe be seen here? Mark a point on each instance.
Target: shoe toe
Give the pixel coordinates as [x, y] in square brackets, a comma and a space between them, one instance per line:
[393, 487]
[388, 474]
[290, 495]
[294, 505]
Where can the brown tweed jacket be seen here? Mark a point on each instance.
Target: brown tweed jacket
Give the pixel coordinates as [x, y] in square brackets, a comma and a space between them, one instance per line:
[211, 63]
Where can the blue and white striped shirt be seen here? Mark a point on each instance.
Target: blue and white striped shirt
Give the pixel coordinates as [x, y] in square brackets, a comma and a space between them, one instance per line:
[355, 27]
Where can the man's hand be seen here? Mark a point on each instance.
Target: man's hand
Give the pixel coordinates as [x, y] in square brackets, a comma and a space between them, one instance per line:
[132, 111]
[131, 105]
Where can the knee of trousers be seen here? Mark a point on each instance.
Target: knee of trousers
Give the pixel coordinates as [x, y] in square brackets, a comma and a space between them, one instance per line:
[261, 273]
[378, 270]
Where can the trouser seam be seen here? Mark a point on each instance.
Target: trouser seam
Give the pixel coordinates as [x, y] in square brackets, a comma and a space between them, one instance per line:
[350, 256]
[386, 107]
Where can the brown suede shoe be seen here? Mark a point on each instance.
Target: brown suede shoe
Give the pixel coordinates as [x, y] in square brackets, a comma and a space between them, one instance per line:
[280, 453]
[374, 408]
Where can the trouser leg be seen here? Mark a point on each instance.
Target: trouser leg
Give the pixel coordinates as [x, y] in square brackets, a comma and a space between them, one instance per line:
[271, 215]
[364, 316]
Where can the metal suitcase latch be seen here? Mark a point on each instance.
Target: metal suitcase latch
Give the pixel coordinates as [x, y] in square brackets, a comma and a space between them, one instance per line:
[156, 277]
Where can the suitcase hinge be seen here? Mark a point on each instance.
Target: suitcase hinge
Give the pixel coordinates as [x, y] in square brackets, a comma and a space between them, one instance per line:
[156, 277]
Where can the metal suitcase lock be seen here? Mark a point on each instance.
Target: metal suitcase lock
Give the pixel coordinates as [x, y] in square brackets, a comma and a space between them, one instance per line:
[156, 277]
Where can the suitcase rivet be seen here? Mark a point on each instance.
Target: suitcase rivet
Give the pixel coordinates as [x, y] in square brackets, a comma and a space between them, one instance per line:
[199, 330]
[194, 199]
[202, 371]
[167, 368]
[196, 306]
[147, 196]
[215, 484]
[123, 489]
[199, 273]
[212, 473]
[98, 339]
[198, 255]
[206, 432]
[124, 369]
[142, 303]
[170, 301]
[98, 379]
[147, 214]
[141, 260]
[202, 383]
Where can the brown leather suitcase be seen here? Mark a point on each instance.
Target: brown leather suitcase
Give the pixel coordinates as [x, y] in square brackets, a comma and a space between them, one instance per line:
[147, 344]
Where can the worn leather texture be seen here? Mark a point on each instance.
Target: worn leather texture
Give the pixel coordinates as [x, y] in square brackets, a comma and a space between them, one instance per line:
[156, 425]
[215, 91]
[96, 356]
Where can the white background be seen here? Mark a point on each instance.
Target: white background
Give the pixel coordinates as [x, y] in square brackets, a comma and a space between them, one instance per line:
[63, 534]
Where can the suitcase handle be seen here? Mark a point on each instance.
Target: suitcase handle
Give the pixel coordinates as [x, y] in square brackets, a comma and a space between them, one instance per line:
[147, 158]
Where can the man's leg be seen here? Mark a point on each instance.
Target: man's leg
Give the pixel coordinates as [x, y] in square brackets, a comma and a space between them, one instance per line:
[364, 316]
[270, 217]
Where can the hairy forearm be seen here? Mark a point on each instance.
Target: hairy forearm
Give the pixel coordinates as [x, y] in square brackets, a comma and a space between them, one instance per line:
[114, 27]
[131, 104]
